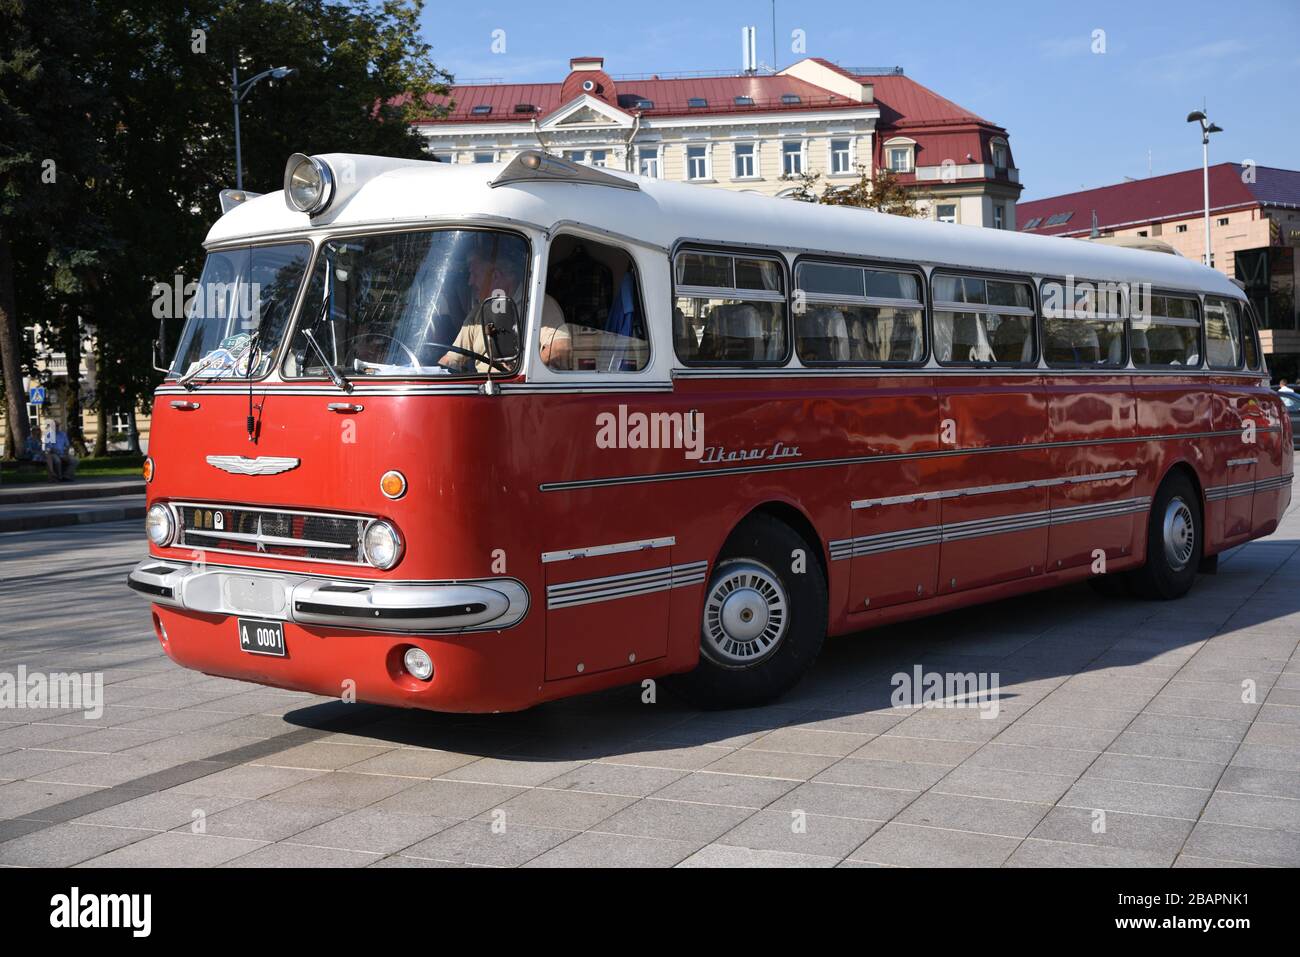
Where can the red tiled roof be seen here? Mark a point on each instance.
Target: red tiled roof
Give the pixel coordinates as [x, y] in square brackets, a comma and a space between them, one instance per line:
[903, 101]
[1148, 200]
[669, 96]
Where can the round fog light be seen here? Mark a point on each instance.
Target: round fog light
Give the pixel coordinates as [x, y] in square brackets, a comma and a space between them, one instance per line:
[418, 663]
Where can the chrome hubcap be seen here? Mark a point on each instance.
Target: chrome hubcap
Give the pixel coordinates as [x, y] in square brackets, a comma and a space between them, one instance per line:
[745, 614]
[1179, 534]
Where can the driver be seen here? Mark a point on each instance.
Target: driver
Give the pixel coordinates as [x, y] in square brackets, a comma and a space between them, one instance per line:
[488, 275]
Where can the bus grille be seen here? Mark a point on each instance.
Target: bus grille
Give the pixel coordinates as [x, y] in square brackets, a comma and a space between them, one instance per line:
[284, 533]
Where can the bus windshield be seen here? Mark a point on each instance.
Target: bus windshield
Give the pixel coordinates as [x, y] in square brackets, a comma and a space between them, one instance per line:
[421, 303]
[240, 310]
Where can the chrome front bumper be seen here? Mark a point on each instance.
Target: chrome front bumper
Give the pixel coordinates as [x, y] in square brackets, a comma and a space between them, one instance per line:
[401, 607]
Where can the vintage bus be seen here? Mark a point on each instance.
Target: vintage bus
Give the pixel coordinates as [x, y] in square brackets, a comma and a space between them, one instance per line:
[484, 436]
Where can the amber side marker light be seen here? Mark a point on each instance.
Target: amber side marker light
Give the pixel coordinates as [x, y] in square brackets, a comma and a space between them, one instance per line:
[393, 484]
[147, 470]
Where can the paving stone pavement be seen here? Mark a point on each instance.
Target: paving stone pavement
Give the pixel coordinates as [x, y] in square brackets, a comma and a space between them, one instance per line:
[1121, 738]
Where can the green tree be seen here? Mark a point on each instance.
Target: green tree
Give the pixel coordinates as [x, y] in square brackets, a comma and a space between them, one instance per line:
[50, 240]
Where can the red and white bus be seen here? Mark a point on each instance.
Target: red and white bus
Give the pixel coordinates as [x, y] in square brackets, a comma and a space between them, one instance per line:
[483, 436]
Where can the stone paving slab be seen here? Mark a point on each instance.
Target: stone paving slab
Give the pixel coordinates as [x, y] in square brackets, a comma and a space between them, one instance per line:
[1124, 736]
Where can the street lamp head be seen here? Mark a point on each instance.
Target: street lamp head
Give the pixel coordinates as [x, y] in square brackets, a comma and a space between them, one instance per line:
[1196, 116]
[280, 72]
[1214, 128]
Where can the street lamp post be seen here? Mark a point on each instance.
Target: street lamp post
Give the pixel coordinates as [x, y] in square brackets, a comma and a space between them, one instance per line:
[239, 90]
[1197, 116]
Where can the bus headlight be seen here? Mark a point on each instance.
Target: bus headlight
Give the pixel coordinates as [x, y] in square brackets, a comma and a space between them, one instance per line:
[308, 184]
[382, 545]
[158, 525]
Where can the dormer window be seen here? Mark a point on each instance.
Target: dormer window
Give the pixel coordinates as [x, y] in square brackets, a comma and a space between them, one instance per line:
[899, 158]
[522, 108]
[791, 99]
[697, 102]
[482, 109]
[744, 101]
[1001, 155]
[643, 104]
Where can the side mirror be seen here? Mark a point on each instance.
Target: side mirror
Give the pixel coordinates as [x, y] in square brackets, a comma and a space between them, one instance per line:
[160, 348]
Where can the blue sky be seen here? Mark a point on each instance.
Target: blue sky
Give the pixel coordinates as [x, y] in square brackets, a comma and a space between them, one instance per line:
[1076, 119]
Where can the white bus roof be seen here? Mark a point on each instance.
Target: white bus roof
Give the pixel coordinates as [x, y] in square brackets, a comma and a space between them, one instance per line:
[377, 191]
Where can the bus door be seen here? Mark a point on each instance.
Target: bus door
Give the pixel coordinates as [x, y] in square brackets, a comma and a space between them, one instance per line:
[994, 503]
[1094, 472]
[894, 551]
[1235, 475]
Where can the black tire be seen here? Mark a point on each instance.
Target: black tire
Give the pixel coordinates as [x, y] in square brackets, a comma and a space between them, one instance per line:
[755, 575]
[1175, 529]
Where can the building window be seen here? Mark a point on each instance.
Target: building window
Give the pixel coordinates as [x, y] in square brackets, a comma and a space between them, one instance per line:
[485, 157]
[648, 161]
[442, 156]
[745, 161]
[841, 157]
[598, 158]
[790, 99]
[697, 162]
[1181, 228]
[1223, 221]
[1142, 232]
[792, 157]
[482, 109]
[1001, 159]
[697, 102]
[744, 101]
[899, 159]
[998, 216]
[946, 212]
[575, 156]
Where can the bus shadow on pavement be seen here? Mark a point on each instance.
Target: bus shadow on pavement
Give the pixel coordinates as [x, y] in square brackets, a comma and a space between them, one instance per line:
[1017, 651]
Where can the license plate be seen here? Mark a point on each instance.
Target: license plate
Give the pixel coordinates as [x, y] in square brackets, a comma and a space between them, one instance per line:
[259, 637]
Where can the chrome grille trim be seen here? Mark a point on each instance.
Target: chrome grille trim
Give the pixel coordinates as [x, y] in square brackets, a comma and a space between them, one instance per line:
[271, 541]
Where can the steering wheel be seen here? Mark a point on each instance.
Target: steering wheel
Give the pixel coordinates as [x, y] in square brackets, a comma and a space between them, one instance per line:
[415, 360]
[497, 364]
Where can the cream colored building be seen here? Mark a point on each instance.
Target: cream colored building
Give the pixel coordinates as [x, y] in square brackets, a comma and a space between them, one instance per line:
[750, 132]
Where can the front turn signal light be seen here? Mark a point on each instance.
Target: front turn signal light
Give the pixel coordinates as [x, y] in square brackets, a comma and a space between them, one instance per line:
[147, 470]
[393, 484]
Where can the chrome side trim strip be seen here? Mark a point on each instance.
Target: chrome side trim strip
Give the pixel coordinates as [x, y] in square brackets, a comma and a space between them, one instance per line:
[591, 551]
[982, 527]
[611, 587]
[991, 489]
[882, 457]
[1233, 463]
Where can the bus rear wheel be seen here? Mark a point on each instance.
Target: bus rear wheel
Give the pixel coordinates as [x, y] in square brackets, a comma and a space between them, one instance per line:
[1175, 537]
[764, 618]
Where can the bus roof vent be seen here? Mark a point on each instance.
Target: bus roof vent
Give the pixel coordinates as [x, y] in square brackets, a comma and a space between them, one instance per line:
[534, 166]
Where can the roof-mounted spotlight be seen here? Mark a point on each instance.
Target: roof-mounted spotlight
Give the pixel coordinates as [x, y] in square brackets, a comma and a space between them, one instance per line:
[308, 184]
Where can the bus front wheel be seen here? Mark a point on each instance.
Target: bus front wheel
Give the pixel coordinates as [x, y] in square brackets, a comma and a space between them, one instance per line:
[764, 618]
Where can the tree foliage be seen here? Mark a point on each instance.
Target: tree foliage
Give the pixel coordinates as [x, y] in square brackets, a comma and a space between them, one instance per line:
[883, 192]
[142, 117]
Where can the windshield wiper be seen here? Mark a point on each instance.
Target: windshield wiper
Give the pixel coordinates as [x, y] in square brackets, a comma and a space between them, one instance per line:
[335, 376]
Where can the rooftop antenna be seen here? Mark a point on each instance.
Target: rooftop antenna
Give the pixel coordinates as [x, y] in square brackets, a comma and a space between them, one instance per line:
[749, 48]
[774, 63]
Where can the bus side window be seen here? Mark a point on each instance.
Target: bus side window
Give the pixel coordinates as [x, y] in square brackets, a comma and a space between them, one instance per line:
[1222, 334]
[854, 315]
[1087, 332]
[592, 318]
[729, 309]
[1168, 335]
[980, 321]
[1250, 339]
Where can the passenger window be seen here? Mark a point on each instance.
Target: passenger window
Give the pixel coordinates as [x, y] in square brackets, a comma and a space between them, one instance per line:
[1222, 334]
[852, 315]
[1251, 340]
[1165, 332]
[980, 321]
[729, 309]
[592, 316]
[1083, 324]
